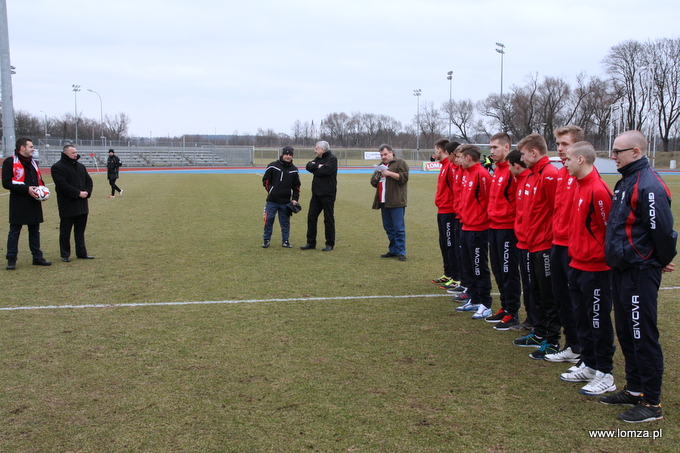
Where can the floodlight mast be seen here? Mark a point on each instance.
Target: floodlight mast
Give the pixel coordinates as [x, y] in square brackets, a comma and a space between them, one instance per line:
[417, 93]
[501, 50]
[8, 132]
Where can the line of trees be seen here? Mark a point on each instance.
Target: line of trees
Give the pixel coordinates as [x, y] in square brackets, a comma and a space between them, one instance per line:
[113, 127]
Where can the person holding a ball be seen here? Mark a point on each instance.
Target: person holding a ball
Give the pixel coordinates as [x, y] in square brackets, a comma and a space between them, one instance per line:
[21, 176]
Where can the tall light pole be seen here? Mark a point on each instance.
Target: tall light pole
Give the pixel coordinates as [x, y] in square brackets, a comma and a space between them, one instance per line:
[76, 88]
[101, 115]
[45, 123]
[501, 50]
[8, 131]
[449, 77]
[417, 94]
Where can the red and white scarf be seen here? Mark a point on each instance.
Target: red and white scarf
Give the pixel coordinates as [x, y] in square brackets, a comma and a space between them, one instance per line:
[19, 174]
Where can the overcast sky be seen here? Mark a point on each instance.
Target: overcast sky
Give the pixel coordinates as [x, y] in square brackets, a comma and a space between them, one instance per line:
[205, 66]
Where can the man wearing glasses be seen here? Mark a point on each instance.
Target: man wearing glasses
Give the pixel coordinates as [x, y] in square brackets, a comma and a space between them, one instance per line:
[639, 246]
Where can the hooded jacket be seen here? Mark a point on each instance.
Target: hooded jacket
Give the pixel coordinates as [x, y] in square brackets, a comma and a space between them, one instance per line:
[640, 229]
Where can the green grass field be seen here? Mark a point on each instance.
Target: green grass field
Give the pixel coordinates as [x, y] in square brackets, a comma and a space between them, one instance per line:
[330, 355]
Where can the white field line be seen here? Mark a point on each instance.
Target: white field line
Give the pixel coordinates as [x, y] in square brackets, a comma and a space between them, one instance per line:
[244, 301]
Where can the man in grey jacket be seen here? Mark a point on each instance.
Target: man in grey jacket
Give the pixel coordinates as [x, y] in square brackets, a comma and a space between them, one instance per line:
[391, 179]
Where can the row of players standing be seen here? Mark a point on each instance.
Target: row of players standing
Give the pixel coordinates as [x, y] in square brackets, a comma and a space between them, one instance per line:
[576, 247]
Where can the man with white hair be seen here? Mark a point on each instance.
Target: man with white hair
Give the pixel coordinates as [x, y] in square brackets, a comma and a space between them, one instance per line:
[324, 167]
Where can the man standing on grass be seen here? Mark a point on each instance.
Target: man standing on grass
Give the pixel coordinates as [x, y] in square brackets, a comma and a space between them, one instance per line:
[474, 236]
[444, 200]
[21, 176]
[502, 239]
[74, 187]
[589, 275]
[539, 202]
[324, 189]
[559, 258]
[639, 246]
[390, 180]
[281, 180]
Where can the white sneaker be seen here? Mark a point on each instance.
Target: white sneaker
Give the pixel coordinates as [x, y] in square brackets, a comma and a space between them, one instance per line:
[565, 355]
[601, 383]
[121, 192]
[482, 312]
[583, 374]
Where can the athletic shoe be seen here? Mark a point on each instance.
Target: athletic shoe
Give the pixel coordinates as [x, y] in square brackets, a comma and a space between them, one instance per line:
[112, 196]
[528, 341]
[545, 348]
[622, 398]
[266, 243]
[506, 323]
[583, 374]
[575, 367]
[457, 289]
[565, 355]
[468, 306]
[642, 412]
[286, 244]
[121, 192]
[482, 312]
[498, 317]
[441, 280]
[602, 383]
[522, 326]
[463, 297]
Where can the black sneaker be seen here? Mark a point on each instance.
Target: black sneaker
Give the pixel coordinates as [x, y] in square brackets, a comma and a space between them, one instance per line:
[286, 244]
[41, 262]
[266, 243]
[622, 398]
[507, 323]
[498, 317]
[642, 412]
[545, 348]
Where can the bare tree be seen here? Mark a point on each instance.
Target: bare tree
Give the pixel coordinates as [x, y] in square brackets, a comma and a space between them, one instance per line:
[431, 123]
[627, 64]
[462, 115]
[116, 126]
[664, 63]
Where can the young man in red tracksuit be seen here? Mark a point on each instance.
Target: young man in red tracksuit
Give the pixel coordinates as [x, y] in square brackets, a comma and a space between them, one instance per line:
[539, 191]
[502, 239]
[521, 173]
[446, 216]
[589, 275]
[559, 258]
[474, 236]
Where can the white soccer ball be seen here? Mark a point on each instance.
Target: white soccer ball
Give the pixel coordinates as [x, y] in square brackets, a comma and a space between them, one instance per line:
[43, 193]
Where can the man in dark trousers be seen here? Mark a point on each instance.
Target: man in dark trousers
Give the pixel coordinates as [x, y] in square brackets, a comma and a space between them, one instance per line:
[112, 166]
[639, 245]
[21, 176]
[281, 180]
[324, 188]
[74, 187]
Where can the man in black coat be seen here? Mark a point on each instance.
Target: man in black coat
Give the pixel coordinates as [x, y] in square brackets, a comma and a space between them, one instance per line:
[112, 166]
[324, 188]
[281, 180]
[74, 187]
[21, 176]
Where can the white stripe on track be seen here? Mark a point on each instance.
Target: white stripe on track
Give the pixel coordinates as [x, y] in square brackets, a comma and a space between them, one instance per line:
[244, 301]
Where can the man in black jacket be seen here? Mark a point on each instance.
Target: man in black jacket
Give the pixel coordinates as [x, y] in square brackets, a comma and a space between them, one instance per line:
[21, 176]
[112, 166]
[281, 180]
[324, 187]
[639, 246]
[74, 187]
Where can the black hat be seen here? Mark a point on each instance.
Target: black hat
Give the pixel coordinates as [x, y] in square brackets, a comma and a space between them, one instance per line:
[293, 208]
[287, 150]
